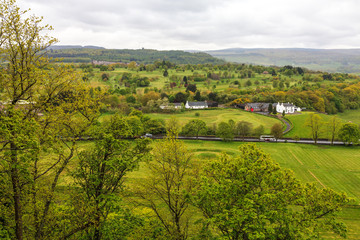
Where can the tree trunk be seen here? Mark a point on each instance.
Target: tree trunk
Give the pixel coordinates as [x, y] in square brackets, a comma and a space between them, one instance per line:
[16, 193]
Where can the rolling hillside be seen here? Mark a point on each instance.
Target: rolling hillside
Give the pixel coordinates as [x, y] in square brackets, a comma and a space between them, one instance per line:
[330, 60]
[146, 56]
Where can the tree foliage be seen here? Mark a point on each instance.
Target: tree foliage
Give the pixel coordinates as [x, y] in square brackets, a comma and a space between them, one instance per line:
[315, 123]
[194, 128]
[277, 131]
[165, 189]
[101, 170]
[349, 133]
[34, 161]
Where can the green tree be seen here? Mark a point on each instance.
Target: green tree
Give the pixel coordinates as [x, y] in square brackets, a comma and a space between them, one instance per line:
[172, 126]
[315, 123]
[258, 131]
[165, 74]
[101, 170]
[250, 197]
[225, 131]
[165, 189]
[270, 108]
[277, 131]
[248, 83]
[349, 133]
[194, 128]
[333, 128]
[32, 85]
[244, 129]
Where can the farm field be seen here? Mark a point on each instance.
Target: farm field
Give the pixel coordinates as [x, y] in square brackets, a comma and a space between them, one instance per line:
[350, 115]
[157, 80]
[335, 167]
[212, 116]
[299, 129]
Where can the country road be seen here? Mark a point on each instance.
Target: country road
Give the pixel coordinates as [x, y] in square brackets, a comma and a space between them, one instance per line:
[212, 138]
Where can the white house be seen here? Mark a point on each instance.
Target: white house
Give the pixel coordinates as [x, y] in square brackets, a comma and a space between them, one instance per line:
[196, 105]
[171, 106]
[287, 107]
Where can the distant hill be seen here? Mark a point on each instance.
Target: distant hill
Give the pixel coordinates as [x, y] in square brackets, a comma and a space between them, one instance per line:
[146, 56]
[61, 47]
[330, 60]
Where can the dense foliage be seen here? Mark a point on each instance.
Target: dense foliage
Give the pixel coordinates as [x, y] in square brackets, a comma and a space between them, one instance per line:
[144, 56]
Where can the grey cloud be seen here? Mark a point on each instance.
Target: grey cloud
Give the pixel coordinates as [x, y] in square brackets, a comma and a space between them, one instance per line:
[202, 24]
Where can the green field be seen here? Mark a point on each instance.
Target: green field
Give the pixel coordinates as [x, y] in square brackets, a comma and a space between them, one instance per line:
[350, 115]
[299, 128]
[211, 116]
[334, 167]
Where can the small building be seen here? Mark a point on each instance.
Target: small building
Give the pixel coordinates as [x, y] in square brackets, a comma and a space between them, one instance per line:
[196, 105]
[256, 107]
[212, 104]
[171, 106]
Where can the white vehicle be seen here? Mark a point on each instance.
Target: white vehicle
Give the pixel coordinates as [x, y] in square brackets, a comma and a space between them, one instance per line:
[267, 138]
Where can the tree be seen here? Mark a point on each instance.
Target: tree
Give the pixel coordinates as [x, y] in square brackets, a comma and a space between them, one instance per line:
[277, 131]
[349, 133]
[101, 170]
[165, 189]
[315, 123]
[191, 87]
[274, 111]
[32, 85]
[333, 128]
[243, 129]
[180, 97]
[225, 131]
[165, 74]
[270, 108]
[172, 126]
[197, 96]
[249, 196]
[194, 128]
[258, 131]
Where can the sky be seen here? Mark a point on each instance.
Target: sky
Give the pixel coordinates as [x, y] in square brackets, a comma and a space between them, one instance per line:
[201, 24]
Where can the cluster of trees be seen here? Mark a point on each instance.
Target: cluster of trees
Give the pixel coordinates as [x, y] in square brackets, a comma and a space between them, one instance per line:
[225, 130]
[333, 129]
[144, 56]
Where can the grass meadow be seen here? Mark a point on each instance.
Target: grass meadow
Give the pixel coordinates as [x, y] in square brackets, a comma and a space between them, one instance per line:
[212, 116]
[350, 115]
[335, 167]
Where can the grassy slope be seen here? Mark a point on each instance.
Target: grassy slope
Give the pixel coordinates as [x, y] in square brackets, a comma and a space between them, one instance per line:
[300, 129]
[334, 167]
[218, 115]
[351, 115]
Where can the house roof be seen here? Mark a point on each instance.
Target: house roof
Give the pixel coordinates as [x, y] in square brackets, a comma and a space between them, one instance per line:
[197, 104]
[258, 105]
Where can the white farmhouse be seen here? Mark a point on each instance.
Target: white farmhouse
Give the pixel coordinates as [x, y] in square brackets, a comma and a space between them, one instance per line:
[287, 108]
[196, 105]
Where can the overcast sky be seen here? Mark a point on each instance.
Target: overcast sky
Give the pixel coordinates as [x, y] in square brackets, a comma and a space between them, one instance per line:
[202, 24]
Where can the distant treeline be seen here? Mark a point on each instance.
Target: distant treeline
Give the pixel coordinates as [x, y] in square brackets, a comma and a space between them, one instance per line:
[144, 56]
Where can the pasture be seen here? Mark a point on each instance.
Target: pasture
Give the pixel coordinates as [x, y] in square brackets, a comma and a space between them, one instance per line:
[350, 115]
[335, 167]
[215, 116]
[299, 128]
